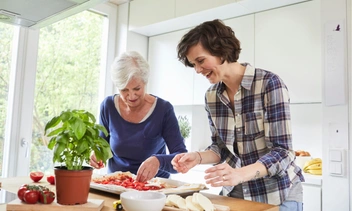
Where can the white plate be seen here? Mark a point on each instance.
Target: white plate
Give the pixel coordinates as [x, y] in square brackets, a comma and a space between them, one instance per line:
[178, 187]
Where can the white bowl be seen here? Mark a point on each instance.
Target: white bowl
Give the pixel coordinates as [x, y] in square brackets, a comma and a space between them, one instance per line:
[142, 200]
[301, 160]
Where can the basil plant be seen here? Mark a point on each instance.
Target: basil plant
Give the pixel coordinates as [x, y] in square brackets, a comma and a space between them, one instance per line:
[74, 135]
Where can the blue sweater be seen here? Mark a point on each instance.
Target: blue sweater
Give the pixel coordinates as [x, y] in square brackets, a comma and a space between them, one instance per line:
[132, 143]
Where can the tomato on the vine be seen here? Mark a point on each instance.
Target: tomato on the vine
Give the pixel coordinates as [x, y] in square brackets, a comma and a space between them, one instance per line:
[21, 191]
[31, 196]
[46, 197]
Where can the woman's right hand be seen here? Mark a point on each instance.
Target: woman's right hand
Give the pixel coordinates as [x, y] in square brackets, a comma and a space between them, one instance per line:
[94, 163]
[183, 162]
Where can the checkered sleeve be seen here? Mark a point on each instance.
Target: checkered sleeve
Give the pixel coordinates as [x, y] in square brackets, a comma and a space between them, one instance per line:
[277, 124]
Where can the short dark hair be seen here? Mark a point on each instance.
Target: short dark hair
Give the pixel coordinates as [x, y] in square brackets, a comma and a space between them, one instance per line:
[215, 37]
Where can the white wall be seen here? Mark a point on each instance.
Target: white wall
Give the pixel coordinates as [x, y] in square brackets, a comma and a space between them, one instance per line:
[336, 189]
[307, 128]
[291, 42]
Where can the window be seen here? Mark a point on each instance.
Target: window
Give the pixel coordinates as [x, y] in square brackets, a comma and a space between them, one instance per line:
[44, 71]
[68, 76]
[6, 40]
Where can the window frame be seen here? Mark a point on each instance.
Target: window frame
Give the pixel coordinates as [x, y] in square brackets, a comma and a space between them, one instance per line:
[18, 131]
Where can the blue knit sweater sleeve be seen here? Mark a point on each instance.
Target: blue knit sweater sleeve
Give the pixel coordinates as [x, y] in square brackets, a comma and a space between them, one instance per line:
[172, 136]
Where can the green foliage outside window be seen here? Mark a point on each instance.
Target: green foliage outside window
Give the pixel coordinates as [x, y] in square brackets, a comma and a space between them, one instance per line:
[6, 37]
[67, 77]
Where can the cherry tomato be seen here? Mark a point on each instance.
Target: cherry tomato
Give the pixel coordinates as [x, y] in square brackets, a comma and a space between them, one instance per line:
[21, 191]
[31, 196]
[36, 176]
[51, 179]
[46, 197]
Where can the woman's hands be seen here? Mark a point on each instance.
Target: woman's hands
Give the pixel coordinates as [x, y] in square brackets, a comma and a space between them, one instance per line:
[223, 175]
[148, 169]
[96, 164]
[183, 162]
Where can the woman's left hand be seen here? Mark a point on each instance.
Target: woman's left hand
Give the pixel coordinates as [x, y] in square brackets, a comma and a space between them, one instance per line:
[223, 175]
[148, 169]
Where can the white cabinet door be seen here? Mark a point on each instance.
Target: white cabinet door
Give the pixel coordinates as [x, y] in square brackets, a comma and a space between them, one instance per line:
[311, 197]
[146, 12]
[169, 78]
[288, 42]
[186, 7]
[244, 31]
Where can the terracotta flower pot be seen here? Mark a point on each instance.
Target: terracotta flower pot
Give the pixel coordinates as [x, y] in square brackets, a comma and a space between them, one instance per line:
[72, 186]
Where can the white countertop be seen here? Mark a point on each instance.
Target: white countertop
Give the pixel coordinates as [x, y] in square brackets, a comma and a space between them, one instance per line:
[313, 179]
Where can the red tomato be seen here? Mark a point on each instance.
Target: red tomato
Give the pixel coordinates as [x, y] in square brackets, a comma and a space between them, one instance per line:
[36, 176]
[46, 197]
[51, 179]
[21, 191]
[31, 196]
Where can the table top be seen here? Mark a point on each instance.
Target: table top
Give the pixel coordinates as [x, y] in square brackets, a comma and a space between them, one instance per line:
[12, 185]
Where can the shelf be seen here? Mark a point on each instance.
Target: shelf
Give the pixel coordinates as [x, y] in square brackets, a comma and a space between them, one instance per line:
[237, 9]
[313, 179]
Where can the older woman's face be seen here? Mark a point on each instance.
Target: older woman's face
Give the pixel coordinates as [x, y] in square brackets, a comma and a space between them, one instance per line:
[204, 63]
[134, 92]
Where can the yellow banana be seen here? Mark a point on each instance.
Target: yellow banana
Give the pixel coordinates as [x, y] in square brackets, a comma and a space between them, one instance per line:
[315, 166]
[315, 171]
[313, 161]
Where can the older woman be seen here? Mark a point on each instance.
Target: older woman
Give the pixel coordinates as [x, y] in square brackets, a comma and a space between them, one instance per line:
[140, 125]
[249, 116]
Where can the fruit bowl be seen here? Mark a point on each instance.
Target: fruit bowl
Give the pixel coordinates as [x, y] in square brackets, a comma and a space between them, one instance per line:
[301, 160]
[142, 200]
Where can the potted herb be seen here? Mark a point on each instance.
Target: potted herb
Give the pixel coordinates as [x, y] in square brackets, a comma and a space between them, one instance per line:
[74, 135]
[184, 125]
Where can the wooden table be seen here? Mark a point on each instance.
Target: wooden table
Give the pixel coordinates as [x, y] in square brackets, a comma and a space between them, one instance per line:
[12, 185]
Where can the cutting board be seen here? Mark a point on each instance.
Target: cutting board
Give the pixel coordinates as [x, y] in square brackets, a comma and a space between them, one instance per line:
[217, 208]
[91, 205]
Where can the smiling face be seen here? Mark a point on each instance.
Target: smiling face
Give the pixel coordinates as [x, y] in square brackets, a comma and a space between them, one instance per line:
[204, 63]
[134, 92]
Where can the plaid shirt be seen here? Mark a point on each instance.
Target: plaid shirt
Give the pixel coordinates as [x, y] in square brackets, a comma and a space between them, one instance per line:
[259, 130]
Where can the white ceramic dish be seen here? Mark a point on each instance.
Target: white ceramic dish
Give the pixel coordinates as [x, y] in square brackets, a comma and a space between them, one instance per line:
[178, 187]
[301, 160]
[142, 200]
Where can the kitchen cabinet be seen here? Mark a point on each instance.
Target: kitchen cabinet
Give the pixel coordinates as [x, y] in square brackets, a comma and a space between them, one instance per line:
[144, 13]
[148, 12]
[288, 42]
[155, 17]
[312, 192]
[186, 7]
[312, 197]
[169, 78]
[285, 41]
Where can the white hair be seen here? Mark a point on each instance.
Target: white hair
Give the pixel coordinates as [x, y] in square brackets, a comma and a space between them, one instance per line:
[127, 66]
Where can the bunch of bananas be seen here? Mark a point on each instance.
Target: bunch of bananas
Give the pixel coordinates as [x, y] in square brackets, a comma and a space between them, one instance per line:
[313, 166]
